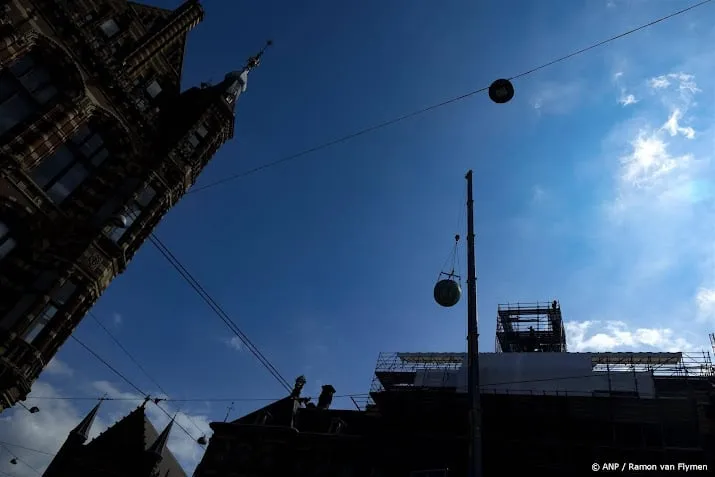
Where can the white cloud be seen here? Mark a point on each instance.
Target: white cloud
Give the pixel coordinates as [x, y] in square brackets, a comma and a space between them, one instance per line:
[557, 97]
[58, 368]
[602, 336]
[684, 85]
[673, 127]
[655, 231]
[627, 99]
[705, 300]
[234, 342]
[117, 318]
[657, 179]
[649, 161]
[659, 82]
[44, 431]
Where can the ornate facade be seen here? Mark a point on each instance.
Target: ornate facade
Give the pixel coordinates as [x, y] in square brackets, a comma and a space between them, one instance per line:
[97, 143]
[132, 447]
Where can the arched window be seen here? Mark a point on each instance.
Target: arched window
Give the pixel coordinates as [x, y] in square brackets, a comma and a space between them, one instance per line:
[7, 243]
[24, 87]
[66, 169]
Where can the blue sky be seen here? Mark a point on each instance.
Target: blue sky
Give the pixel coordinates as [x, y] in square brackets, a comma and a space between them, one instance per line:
[593, 186]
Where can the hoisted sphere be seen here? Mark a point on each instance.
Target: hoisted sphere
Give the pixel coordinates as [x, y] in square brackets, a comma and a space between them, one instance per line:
[501, 91]
[447, 293]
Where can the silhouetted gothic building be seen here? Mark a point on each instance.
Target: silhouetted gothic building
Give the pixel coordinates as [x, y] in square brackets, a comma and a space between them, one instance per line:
[132, 447]
[97, 143]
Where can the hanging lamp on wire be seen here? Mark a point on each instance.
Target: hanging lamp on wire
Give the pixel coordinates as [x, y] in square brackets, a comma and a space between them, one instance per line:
[448, 289]
[501, 91]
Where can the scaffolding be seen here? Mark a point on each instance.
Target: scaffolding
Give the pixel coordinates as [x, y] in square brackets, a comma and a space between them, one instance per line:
[528, 327]
[675, 364]
[396, 371]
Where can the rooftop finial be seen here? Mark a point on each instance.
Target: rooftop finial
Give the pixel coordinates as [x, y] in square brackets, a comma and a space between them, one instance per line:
[237, 81]
[255, 60]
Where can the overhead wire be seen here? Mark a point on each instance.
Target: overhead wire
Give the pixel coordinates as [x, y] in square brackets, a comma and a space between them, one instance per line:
[7, 449]
[404, 117]
[217, 309]
[27, 448]
[138, 364]
[595, 374]
[130, 383]
[565, 392]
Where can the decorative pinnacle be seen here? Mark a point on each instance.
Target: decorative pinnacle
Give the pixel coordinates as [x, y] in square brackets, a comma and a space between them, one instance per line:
[254, 61]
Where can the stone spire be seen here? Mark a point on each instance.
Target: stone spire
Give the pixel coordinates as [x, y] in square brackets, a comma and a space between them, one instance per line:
[181, 20]
[61, 464]
[159, 445]
[236, 82]
[83, 428]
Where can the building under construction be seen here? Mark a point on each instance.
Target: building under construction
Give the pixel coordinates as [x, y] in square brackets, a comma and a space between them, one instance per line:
[547, 411]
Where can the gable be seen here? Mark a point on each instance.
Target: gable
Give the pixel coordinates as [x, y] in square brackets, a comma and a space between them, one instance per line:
[127, 433]
[133, 435]
[153, 18]
[175, 56]
[150, 17]
[281, 413]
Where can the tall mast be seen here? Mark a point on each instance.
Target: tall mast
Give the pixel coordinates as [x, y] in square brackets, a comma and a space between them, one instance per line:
[473, 388]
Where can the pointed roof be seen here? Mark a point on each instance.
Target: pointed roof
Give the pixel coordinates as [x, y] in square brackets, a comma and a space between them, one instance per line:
[150, 16]
[83, 428]
[153, 18]
[134, 434]
[159, 445]
[281, 413]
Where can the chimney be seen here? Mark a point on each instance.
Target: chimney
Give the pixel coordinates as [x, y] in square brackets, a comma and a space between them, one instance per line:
[326, 397]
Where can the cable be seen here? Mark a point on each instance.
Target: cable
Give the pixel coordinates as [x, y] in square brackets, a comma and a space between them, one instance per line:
[27, 448]
[595, 374]
[20, 460]
[4, 444]
[438, 105]
[213, 400]
[126, 380]
[112, 368]
[116, 341]
[217, 309]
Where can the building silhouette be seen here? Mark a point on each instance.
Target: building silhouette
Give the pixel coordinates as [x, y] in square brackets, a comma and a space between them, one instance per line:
[97, 143]
[131, 447]
[544, 411]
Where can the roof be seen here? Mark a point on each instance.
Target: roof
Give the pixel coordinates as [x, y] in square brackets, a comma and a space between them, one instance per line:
[281, 413]
[134, 434]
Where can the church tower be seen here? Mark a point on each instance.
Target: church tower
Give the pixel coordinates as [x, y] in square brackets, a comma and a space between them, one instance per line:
[131, 447]
[97, 143]
[72, 445]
